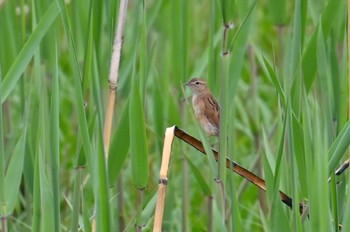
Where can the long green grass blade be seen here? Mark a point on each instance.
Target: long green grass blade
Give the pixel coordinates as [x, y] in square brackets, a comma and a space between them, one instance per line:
[27, 52]
[309, 64]
[14, 174]
[287, 110]
[138, 145]
[55, 147]
[275, 81]
[339, 147]
[103, 209]
[2, 160]
[120, 145]
[76, 199]
[83, 126]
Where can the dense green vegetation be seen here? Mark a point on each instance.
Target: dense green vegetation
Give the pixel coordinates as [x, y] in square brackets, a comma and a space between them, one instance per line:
[283, 89]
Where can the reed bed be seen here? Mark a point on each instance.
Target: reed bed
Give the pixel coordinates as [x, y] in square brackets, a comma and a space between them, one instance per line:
[72, 159]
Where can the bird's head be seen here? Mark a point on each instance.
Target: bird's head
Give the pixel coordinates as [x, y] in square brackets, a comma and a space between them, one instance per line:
[197, 85]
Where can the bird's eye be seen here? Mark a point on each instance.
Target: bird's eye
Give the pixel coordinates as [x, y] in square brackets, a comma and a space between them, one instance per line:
[197, 82]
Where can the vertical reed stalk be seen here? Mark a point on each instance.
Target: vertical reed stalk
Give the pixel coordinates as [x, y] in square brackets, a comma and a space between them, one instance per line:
[114, 73]
[210, 226]
[224, 112]
[2, 171]
[185, 195]
[138, 224]
[76, 198]
[348, 59]
[113, 79]
[163, 179]
[121, 220]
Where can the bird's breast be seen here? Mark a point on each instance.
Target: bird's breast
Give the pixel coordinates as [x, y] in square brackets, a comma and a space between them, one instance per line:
[198, 105]
[201, 115]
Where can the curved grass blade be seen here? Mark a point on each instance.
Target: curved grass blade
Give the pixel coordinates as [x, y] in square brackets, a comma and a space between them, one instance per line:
[339, 147]
[275, 81]
[25, 55]
[309, 64]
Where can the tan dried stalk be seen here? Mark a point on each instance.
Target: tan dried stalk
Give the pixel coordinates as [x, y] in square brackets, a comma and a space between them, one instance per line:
[113, 80]
[163, 179]
[114, 74]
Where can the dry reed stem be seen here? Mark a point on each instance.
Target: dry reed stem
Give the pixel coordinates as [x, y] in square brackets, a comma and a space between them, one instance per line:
[113, 80]
[114, 73]
[163, 179]
[108, 121]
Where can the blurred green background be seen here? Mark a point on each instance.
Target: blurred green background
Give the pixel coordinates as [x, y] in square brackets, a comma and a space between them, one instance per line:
[283, 87]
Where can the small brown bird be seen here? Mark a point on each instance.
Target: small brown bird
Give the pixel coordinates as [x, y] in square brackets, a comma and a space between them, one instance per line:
[206, 108]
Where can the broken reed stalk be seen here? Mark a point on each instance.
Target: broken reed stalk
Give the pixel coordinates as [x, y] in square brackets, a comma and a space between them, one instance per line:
[341, 169]
[114, 74]
[163, 179]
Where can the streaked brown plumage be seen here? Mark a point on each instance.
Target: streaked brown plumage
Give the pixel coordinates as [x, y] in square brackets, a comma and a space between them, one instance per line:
[206, 108]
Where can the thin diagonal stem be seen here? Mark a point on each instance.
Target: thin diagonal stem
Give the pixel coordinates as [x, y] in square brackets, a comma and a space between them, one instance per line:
[257, 181]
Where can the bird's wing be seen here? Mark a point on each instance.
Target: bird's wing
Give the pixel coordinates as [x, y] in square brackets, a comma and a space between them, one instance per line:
[214, 113]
